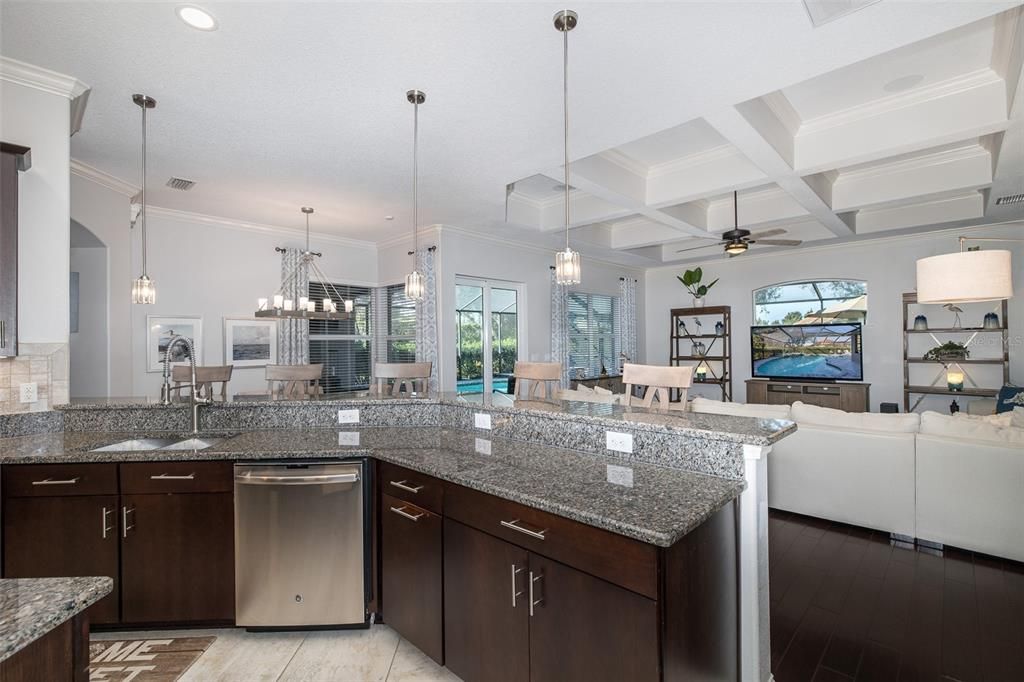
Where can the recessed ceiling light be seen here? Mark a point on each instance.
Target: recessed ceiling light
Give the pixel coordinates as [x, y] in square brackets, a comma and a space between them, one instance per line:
[197, 17]
[389, 217]
[903, 83]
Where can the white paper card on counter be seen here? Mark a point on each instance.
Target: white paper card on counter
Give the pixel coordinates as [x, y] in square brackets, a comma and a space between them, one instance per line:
[348, 416]
[620, 475]
[483, 446]
[348, 438]
[482, 420]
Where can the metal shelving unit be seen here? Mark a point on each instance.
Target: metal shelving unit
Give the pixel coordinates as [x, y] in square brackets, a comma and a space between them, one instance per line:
[717, 355]
[938, 387]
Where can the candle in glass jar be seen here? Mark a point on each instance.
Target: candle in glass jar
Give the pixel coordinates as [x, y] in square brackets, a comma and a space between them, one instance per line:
[311, 306]
[302, 302]
[278, 301]
[955, 380]
[289, 304]
[348, 306]
[328, 306]
[261, 304]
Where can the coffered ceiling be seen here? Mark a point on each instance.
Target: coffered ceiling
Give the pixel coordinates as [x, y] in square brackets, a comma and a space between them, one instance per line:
[901, 116]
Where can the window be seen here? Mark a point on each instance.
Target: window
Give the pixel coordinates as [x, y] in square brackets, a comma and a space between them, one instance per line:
[401, 325]
[344, 347]
[593, 333]
[487, 334]
[812, 302]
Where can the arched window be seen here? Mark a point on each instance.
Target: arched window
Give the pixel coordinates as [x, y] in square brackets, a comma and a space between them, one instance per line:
[812, 302]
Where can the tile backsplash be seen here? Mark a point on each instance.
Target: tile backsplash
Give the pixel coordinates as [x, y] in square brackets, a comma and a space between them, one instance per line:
[46, 364]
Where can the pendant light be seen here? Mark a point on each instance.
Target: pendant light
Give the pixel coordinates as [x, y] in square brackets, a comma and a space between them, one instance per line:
[143, 289]
[414, 280]
[305, 308]
[967, 276]
[567, 263]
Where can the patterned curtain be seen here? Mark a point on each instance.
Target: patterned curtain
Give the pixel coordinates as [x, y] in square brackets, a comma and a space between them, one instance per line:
[627, 318]
[293, 335]
[426, 316]
[560, 327]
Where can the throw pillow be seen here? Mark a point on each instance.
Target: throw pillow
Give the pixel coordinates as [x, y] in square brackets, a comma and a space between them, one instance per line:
[1009, 398]
[1017, 417]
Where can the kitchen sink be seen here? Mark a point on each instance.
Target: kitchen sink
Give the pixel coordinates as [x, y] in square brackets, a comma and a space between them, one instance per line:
[191, 444]
[136, 445]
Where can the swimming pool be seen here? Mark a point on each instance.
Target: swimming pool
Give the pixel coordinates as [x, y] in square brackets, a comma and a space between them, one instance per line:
[815, 366]
[500, 385]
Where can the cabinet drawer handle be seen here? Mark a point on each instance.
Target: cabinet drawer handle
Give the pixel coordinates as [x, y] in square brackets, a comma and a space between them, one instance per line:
[107, 529]
[514, 525]
[515, 591]
[412, 517]
[534, 602]
[52, 481]
[402, 485]
[125, 527]
[3, 333]
[172, 477]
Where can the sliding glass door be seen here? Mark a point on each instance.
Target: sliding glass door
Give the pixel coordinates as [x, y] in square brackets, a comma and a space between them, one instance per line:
[487, 334]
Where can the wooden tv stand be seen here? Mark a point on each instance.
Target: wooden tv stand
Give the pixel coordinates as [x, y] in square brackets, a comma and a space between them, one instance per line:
[847, 396]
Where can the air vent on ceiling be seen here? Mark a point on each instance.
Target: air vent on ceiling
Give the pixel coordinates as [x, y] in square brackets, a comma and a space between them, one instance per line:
[1010, 199]
[824, 11]
[181, 184]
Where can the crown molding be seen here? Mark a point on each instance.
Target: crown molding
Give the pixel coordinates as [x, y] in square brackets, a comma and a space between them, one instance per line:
[102, 178]
[903, 100]
[626, 163]
[246, 226]
[779, 104]
[429, 231]
[51, 82]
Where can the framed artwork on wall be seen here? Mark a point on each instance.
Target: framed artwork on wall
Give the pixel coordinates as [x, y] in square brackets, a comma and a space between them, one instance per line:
[160, 329]
[249, 342]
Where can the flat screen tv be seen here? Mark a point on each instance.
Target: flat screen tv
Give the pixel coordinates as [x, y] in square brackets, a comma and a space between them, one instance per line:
[814, 352]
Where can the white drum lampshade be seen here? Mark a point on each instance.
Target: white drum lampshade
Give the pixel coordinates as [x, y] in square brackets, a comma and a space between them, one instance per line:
[965, 277]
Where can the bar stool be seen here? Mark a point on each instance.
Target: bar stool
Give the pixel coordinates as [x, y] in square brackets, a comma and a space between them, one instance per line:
[658, 382]
[405, 375]
[544, 376]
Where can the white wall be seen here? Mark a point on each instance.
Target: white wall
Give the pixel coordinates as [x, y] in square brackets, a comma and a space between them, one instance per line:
[888, 266]
[461, 254]
[90, 354]
[41, 120]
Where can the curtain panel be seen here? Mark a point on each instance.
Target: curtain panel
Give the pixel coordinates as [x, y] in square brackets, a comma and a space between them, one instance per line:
[293, 335]
[627, 319]
[426, 316]
[560, 327]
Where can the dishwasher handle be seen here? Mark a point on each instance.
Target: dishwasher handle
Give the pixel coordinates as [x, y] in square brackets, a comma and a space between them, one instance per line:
[315, 479]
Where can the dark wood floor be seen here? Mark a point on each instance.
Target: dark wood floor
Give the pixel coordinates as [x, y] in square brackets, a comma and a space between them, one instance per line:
[848, 604]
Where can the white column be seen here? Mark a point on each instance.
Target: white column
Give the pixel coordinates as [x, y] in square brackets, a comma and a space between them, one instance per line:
[755, 642]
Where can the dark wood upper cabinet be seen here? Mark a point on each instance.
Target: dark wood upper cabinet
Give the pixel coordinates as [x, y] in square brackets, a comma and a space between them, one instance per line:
[66, 535]
[411, 574]
[486, 626]
[13, 158]
[583, 628]
[177, 558]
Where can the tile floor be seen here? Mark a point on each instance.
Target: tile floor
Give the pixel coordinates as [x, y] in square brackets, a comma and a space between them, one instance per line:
[373, 655]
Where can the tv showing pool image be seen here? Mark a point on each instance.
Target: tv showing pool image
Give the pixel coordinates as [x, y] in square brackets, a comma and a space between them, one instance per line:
[822, 352]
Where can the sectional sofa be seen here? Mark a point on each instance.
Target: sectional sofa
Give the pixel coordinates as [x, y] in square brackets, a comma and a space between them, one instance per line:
[952, 480]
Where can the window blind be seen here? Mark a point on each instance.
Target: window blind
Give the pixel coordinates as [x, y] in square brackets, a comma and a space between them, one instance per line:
[593, 333]
[401, 325]
[344, 347]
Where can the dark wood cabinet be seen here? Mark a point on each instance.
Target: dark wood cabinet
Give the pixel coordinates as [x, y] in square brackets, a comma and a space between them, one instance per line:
[411, 574]
[13, 158]
[61, 654]
[486, 626]
[177, 558]
[57, 536]
[846, 396]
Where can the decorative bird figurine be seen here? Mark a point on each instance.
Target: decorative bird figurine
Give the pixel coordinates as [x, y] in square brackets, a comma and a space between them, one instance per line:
[956, 311]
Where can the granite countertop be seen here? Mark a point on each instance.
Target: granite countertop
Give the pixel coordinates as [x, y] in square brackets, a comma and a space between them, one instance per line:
[650, 503]
[32, 607]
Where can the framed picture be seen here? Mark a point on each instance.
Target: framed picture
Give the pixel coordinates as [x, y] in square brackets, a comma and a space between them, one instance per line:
[249, 342]
[159, 331]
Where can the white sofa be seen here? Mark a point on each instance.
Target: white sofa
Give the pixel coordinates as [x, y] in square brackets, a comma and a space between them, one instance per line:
[950, 480]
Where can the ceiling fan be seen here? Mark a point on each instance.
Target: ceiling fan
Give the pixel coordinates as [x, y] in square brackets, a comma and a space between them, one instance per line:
[737, 240]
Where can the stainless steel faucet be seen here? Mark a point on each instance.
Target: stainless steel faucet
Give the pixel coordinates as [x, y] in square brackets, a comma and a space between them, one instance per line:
[165, 389]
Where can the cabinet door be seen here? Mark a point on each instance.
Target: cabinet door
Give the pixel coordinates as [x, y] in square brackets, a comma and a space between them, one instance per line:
[47, 537]
[177, 558]
[583, 628]
[411, 554]
[486, 624]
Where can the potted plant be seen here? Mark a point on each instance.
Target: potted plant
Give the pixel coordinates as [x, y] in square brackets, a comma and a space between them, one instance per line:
[949, 351]
[691, 279]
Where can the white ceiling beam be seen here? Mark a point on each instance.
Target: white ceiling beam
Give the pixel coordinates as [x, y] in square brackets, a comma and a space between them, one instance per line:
[639, 232]
[756, 209]
[967, 206]
[743, 133]
[701, 175]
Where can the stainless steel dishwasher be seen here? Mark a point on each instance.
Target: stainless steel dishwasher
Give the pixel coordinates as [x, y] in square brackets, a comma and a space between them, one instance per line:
[300, 544]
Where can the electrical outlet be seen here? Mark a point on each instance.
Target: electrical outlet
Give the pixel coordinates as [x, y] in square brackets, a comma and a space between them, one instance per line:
[482, 420]
[348, 438]
[29, 392]
[620, 475]
[619, 442]
[483, 446]
[348, 416]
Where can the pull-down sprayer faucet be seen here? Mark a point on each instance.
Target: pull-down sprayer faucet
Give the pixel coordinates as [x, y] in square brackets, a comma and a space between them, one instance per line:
[165, 389]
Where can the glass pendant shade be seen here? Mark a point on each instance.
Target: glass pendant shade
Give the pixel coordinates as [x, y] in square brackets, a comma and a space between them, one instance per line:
[144, 291]
[414, 286]
[567, 267]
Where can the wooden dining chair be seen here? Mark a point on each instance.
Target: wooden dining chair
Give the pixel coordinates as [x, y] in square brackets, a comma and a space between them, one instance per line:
[543, 378]
[293, 382]
[405, 375]
[206, 377]
[658, 382]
